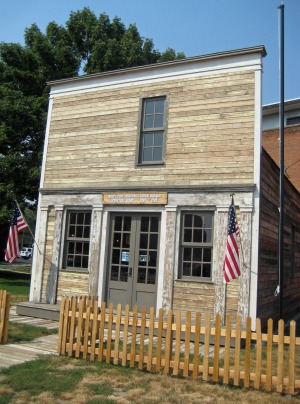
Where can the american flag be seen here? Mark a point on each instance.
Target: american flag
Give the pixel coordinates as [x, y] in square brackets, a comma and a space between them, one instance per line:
[17, 225]
[231, 265]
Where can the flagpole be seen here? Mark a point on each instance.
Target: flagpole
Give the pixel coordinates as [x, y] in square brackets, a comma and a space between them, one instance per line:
[281, 117]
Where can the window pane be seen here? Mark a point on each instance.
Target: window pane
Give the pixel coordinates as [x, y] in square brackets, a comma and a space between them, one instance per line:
[206, 270]
[159, 121]
[70, 261]
[188, 220]
[71, 231]
[207, 220]
[77, 261]
[149, 121]
[80, 218]
[198, 222]
[149, 107]
[187, 254]
[187, 237]
[158, 139]
[196, 270]
[148, 139]
[186, 269]
[87, 220]
[159, 106]
[197, 254]
[86, 248]
[71, 247]
[157, 154]
[207, 255]
[85, 262]
[207, 236]
[79, 231]
[72, 218]
[147, 155]
[197, 236]
[78, 248]
[86, 232]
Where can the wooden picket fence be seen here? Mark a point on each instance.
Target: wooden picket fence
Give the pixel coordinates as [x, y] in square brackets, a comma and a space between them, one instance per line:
[190, 346]
[4, 315]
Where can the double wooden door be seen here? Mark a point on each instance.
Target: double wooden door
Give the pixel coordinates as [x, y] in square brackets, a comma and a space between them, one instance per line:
[133, 259]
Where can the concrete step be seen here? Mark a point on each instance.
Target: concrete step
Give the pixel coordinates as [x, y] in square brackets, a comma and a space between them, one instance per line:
[40, 310]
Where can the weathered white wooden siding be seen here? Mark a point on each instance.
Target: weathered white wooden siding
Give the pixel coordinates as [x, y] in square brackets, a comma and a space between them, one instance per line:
[210, 134]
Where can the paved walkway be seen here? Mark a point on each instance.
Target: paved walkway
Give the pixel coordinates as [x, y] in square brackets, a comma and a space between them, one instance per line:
[14, 354]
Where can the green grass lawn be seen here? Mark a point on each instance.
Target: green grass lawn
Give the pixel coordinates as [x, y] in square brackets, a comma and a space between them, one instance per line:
[15, 283]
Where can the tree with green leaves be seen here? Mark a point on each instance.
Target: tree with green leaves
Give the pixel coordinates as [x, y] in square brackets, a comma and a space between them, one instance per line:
[86, 43]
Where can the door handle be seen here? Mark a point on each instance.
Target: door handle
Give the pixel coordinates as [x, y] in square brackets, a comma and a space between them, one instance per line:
[130, 272]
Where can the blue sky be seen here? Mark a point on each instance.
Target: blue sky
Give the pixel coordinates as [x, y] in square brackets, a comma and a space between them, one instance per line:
[196, 27]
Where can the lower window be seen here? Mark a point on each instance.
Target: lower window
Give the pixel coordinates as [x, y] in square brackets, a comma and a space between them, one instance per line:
[196, 246]
[77, 242]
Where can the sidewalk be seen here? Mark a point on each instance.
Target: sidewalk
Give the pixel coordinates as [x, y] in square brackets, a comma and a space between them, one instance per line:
[14, 354]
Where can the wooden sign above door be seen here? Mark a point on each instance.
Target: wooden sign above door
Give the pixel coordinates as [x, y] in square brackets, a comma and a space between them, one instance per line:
[135, 198]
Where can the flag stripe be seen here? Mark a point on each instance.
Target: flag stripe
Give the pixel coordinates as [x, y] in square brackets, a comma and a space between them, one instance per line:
[231, 266]
[17, 225]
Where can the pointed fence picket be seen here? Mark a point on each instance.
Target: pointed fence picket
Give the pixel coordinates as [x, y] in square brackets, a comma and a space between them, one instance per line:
[188, 346]
[4, 315]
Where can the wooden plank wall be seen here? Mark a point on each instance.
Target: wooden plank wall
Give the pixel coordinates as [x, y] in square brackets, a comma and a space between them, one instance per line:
[210, 133]
[194, 296]
[268, 278]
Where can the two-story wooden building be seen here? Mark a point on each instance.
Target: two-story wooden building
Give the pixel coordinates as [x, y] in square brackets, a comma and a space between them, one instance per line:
[139, 165]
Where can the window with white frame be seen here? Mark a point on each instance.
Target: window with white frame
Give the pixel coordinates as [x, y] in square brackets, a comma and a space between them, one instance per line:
[196, 247]
[77, 241]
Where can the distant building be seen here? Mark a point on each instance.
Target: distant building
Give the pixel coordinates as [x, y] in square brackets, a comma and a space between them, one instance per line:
[271, 141]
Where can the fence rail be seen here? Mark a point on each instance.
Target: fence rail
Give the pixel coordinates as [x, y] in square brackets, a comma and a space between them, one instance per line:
[4, 315]
[175, 345]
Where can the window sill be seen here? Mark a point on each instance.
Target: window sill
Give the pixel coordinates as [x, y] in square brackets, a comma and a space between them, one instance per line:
[76, 270]
[150, 165]
[194, 280]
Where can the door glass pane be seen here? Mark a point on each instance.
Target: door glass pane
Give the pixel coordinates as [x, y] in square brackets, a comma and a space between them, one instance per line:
[144, 240]
[153, 241]
[116, 256]
[145, 223]
[127, 223]
[123, 274]
[141, 275]
[118, 223]
[114, 273]
[154, 224]
[126, 240]
[117, 240]
[151, 276]
[153, 258]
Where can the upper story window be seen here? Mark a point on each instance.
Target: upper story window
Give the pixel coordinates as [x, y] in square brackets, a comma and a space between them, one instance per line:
[77, 242]
[294, 120]
[152, 136]
[196, 246]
